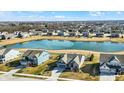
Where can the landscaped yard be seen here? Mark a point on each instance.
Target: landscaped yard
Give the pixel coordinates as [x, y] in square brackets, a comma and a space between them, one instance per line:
[120, 78]
[78, 76]
[42, 69]
[10, 65]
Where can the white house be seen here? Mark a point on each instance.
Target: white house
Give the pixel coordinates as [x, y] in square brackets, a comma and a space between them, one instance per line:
[66, 33]
[25, 35]
[54, 33]
[9, 54]
[34, 57]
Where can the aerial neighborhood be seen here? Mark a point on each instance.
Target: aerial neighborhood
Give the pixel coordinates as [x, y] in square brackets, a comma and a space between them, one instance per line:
[69, 29]
[62, 51]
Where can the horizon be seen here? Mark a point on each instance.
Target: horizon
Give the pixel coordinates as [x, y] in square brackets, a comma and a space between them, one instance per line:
[63, 21]
[61, 16]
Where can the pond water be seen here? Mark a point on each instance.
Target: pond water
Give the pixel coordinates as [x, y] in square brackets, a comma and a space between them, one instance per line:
[64, 44]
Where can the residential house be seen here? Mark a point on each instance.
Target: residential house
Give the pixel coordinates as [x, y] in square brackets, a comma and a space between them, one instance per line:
[25, 35]
[72, 34]
[44, 33]
[99, 34]
[111, 64]
[2, 37]
[85, 34]
[115, 35]
[71, 61]
[77, 33]
[60, 33]
[54, 33]
[34, 57]
[49, 33]
[66, 33]
[8, 54]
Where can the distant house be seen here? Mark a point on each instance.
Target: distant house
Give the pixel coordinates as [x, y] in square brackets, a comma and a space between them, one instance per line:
[85, 34]
[111, 64]
[54, 33]
[115, 35]
[77, 33]
[49, 33]
[99, 34]
[8, 54]
[60, 33]
[2, 37]
[66, 34]
[34, 57]
[25, 35]
[72, 34]
[44, 33]
[71, 61]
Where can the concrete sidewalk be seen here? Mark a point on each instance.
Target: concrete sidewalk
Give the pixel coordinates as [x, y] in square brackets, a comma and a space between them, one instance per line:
[108, 78]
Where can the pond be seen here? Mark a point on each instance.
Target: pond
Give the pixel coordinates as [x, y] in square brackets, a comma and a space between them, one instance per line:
[64, 45]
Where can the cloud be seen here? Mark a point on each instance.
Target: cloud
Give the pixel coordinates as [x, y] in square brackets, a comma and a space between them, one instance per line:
[96, 13]
[59, 16]
[119, 12]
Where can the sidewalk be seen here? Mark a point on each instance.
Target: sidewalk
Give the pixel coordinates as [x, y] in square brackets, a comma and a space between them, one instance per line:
[108, 78]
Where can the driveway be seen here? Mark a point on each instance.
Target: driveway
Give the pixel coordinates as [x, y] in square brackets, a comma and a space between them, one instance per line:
[55, 73]
[8, 76]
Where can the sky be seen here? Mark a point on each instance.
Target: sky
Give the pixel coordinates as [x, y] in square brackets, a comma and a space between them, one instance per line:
[60, 15]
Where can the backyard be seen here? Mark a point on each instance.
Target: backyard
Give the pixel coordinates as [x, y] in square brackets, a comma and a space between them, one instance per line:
[43, 69]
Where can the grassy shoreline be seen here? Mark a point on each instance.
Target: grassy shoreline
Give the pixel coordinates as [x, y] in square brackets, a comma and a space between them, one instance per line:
[21, 40]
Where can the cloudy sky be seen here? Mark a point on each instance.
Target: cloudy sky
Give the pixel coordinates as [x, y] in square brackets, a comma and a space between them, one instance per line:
[59, 15]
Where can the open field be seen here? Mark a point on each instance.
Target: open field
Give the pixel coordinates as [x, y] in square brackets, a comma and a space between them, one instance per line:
[20, 40]
[42, 69]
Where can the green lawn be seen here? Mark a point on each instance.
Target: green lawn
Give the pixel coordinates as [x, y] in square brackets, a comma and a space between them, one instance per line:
[42, 69]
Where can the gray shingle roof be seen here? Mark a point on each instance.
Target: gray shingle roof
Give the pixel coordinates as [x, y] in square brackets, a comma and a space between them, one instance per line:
[6, 51]
[31, 53]
[109, 57]
[70, 57]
